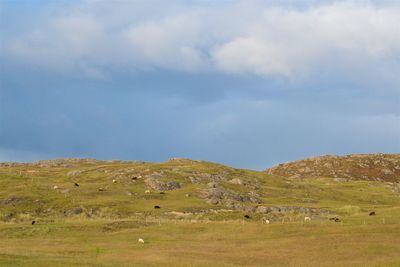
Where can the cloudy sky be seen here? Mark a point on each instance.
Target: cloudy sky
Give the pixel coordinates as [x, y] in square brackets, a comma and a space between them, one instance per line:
[245, 83]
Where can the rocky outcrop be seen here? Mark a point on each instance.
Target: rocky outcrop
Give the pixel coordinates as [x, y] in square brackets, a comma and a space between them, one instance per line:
[215, 194]
[290, 209]
[156, 183]
[372, 167]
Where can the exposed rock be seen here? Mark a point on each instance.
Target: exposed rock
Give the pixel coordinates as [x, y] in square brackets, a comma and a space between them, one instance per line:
[215, 194]
[236, 181]
[213, 201]
[10, 164]
[159, 185]
[194, 180]
[254, 197]
[212, 184]
[290, 209]
[338, 179]
[12, 201]
[73, 211]
[373, 167]
[74, 173]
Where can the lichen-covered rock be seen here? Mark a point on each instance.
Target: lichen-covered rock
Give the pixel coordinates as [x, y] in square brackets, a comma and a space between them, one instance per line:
[290, 209]
[372, 167]
[236, 181]
[159, 185]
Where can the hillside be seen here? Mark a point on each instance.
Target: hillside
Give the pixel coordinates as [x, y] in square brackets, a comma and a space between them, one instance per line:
[370, 167]
[86, 212]
[93, 188]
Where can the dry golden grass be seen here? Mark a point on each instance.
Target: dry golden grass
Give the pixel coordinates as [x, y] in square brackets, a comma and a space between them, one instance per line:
[229, 243]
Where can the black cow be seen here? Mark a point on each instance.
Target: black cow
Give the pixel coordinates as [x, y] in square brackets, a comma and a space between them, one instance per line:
[247, 216]
[157, 207]
[33, 222]
[372, 213]
[76, 184]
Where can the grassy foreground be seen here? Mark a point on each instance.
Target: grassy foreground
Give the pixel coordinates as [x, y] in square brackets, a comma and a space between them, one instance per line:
[212, 243]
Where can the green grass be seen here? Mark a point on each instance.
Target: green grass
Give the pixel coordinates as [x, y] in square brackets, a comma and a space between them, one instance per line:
[187, 231]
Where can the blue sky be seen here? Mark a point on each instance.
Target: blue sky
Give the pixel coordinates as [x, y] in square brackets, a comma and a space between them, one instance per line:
[245, 83]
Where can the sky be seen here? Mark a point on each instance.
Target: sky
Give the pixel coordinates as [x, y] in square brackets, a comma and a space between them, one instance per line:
[245, 83]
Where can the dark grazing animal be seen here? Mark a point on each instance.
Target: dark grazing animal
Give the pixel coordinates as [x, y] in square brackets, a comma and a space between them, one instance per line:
[336, 219]
[372, 213]
[162, 193]
[157, 207]
[76, 184]
[33, 222]
[247, 216]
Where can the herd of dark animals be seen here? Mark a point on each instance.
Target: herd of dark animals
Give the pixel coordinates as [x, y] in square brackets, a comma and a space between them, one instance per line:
[336, 219]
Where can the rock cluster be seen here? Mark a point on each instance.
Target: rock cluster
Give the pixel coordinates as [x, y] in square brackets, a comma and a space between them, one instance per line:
[372, 167]
[154, 182]
[216, 194]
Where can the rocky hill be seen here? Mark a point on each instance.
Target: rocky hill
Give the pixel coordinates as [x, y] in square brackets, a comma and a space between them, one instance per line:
[371, 167]
[183, 187]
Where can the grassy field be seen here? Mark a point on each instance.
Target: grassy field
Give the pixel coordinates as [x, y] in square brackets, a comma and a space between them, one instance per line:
[82, 226]
[183, 243]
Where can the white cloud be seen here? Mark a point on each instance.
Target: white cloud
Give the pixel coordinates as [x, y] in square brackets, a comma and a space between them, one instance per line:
[291, 42]
[170, 43]
[240, 37]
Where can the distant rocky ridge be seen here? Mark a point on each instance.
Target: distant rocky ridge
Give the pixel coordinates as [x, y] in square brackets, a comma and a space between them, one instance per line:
[372, 167]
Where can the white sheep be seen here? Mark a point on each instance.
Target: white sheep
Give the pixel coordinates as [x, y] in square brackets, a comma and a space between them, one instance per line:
[307, 219]
[141, 241]
[114, 181]
[147, 192]
[55, 187]
[265, 220]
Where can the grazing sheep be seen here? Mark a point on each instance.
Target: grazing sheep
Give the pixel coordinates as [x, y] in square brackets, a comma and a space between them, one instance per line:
[147, 192]
[307, 219]
[157, 207]
[140, 240]
[372, 213]
[101, 189]
[187, 195]
[76, 184]
[114, 181]
[265, 220]
[336, 219]
[55, 187]
[247, 216]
